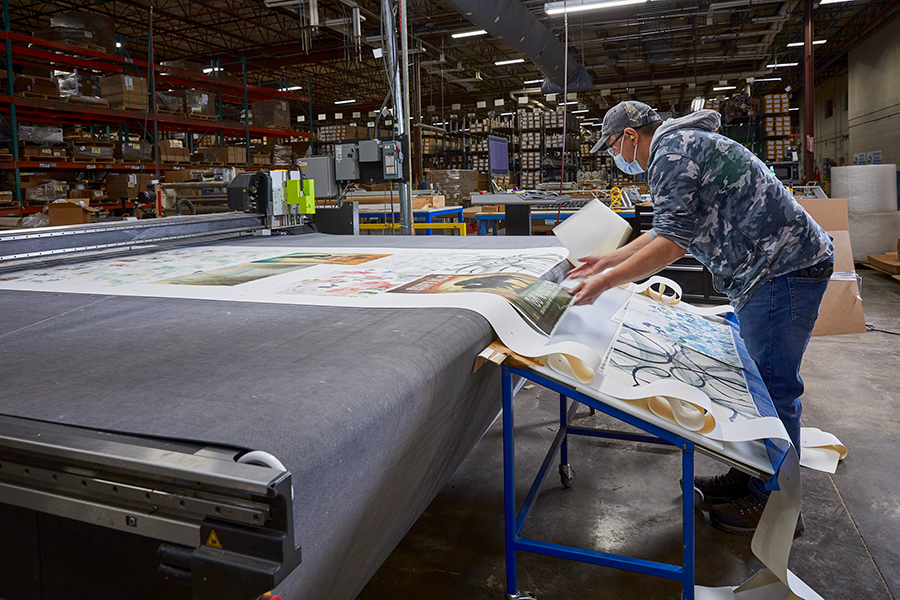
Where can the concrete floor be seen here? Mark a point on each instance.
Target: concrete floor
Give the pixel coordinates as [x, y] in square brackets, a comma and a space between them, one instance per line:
[626, 497]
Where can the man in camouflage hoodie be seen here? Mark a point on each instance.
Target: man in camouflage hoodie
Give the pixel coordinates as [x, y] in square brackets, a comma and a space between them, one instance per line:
[714, 198]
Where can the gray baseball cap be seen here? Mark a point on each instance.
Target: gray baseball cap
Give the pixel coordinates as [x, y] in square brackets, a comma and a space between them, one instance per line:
[620, 117]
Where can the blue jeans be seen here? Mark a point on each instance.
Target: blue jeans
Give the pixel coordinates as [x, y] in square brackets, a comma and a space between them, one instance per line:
[776, 324]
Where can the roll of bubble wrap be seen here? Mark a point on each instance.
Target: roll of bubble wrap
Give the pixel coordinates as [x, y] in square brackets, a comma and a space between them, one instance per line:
[874, 233]
[867, 188]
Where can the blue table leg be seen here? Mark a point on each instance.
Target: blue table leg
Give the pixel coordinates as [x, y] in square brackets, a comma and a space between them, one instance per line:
[509, 484]
[687, 515]
[482, 227]
[565, 471]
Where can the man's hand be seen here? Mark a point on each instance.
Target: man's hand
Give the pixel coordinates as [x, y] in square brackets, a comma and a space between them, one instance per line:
[589, 290]
[591, 265]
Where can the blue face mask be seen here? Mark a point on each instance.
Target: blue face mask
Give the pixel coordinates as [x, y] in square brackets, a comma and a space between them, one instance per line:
[631, 168]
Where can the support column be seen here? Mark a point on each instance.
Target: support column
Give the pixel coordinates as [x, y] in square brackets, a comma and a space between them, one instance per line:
[808, 91]
[406, 216]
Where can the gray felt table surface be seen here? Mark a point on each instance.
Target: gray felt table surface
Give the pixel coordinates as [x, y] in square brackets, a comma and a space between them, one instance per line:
[371, 410]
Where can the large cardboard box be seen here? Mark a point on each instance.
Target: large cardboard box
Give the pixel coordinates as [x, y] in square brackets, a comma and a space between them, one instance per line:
[841, 310]
[126, 186]
[125, 91]
[69, 213]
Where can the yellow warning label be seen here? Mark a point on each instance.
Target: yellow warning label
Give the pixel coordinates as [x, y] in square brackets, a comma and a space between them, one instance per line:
[213, 540]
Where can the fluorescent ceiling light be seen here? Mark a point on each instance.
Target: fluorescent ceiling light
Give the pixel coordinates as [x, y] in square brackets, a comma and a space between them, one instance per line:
[798, 44]
[793, 109]
[571, 6]
[211, 69]
[513, 61]
[532, 81]
[833, 1]
[722, 88]
[344, 101]
[465, 34]
[509, 114]
[570, 102]
[290, 89]
[596, 124]
[776, 65]
[118, 44]
[767, 79]
[583, 110]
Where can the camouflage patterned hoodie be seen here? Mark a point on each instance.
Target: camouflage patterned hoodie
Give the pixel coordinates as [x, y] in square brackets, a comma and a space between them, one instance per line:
[717, 200]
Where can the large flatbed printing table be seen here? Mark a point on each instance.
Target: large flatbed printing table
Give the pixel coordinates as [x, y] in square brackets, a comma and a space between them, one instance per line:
[369, 410]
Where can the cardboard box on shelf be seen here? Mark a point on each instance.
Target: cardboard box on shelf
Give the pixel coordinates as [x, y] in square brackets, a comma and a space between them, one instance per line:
[230, 155]
[127, 185]
[456, 185]
[199, 103]
[69, 213]
[841, 310]
[124, 91]
[142, 151]
[271, 113]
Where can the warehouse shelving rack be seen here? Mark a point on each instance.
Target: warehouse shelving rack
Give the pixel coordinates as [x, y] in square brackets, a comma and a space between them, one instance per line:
[21, 49]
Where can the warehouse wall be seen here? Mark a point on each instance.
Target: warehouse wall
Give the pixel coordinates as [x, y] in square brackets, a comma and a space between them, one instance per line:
[831, 132]
[874, 91]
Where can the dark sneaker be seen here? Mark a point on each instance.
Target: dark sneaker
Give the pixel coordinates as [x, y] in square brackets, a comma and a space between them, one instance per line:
[720, 489]
[741, 517]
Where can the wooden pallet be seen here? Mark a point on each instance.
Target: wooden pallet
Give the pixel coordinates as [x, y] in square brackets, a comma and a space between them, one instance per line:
[81, 101]
[203, 117]
[131, 161]
[208, 163]
[176, 162]
[33, 96]
[94, 161]
[119, 106]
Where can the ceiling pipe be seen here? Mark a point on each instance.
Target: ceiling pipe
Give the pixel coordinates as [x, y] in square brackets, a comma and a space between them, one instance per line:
[511, 22]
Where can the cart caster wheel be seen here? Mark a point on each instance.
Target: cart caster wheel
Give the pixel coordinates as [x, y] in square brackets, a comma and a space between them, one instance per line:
[566, 475]
[698, 497]
[521, 596]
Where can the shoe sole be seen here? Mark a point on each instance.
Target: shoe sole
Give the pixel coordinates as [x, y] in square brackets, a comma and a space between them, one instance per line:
[749, 531]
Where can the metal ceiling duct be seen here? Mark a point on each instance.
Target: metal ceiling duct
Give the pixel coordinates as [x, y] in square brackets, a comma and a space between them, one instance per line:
[510, 21]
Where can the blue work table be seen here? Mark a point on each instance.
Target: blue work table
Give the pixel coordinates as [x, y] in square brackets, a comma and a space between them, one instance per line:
[538, 217]
[426, 215]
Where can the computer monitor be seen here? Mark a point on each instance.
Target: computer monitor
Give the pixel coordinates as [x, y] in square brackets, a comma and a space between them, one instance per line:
[498, 156]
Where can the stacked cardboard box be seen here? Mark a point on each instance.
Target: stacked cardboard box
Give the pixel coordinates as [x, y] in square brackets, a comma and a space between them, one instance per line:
[126, 186]
[44, 153]
[198, 103]
[337, 133]
[39, 86]
[173, 152]
[131, 151]
[531, 160]
[776, 149]
[271, 113]
[432, 144]
[529, 119]
[229, 155]
[124, 91]
[531, 140]
[776, 103]
[89, 151]
[456, 185]
[778, 126]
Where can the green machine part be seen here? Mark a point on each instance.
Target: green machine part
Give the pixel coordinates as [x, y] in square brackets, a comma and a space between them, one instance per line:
[302, 193]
